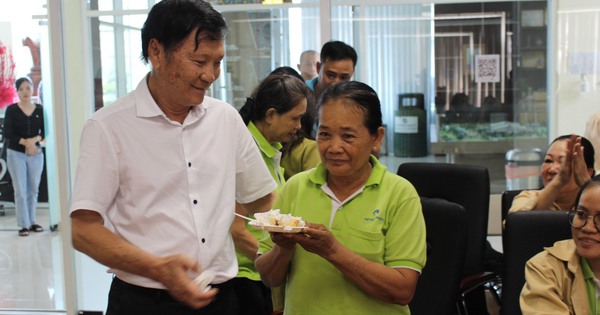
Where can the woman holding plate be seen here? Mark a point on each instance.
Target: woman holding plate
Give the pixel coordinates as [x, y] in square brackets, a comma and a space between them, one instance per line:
[363, 246]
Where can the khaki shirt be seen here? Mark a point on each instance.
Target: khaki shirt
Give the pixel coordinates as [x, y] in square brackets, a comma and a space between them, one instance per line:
[554, 282]
[526, 200]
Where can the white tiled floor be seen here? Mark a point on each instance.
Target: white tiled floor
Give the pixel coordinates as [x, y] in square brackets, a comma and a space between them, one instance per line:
[30, 268]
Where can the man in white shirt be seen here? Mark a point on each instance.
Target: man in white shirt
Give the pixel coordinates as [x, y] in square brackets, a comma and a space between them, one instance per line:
[161, 169]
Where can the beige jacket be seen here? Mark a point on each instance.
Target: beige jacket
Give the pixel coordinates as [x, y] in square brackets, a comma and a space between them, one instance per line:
[526, 200]
[554, 282]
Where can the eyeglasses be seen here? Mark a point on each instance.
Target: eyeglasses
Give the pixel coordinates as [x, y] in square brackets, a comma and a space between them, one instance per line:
[578, 219]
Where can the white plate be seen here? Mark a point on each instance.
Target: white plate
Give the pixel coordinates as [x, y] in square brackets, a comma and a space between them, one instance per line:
[274, 228]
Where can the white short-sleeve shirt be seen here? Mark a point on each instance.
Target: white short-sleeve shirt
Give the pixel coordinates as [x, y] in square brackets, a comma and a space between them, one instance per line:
[166, 187]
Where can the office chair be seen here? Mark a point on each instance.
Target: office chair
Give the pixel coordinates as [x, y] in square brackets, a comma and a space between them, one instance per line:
[506, 201]
[438, 287]
[468, 186]
[525, 234]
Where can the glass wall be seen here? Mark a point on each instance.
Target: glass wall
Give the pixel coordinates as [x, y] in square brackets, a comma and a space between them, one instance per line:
[463, 81]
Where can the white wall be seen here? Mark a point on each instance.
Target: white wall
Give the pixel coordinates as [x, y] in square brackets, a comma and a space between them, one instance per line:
[577, 34]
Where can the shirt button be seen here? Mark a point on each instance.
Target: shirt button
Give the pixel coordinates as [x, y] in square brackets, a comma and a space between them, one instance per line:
[203, 240]
[189, 164]
[195, 201]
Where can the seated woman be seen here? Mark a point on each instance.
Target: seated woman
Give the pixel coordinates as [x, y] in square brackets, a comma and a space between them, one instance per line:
[273, 116]
[563, 279]
[568, 164]
[364, 245]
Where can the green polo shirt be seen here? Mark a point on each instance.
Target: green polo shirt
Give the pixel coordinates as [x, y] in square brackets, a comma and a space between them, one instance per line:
[272, 157]
[382, 223]
[590, 285]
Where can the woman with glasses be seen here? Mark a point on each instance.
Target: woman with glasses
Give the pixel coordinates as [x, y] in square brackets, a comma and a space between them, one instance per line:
[563, 279]
[568, 164]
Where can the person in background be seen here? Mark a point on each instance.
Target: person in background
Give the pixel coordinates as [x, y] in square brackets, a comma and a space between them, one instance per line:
[337, 64]
[592, 132]
[363, 246]
[272, 115]
[160, 170]
[568, 164]
[563, 279]
[308, 64]
[300, 153]
[25, 135]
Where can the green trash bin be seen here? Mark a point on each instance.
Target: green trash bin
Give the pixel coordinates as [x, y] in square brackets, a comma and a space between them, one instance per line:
[410, 126]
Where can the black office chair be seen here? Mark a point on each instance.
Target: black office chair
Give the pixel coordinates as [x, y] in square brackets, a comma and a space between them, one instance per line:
[438, 287]
[468, 186]
[506, 201]
[525, 234]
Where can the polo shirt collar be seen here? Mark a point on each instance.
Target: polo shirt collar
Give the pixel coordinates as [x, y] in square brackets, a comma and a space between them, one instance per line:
[590, 284]
[319, 174]
[312, 83]
[146, 106]
[270, 150]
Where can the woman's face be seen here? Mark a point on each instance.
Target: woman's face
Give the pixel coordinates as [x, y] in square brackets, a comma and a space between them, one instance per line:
[551, 165]
[25, 91]
[285, 126]
[587, 238]
[345, 143]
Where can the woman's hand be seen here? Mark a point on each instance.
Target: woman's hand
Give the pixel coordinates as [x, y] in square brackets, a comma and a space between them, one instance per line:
[317, 239]
[30, 144]
[580, 169]
[283, 240]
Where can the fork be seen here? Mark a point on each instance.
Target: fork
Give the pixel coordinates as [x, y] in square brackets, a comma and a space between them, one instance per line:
[244, 217]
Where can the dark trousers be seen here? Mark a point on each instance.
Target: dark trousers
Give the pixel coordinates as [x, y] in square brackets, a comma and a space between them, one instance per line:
[125, 298]
[254, 297]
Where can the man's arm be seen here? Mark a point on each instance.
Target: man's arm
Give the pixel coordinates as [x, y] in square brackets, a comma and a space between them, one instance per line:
[260, 205]
[244, 241]
[90, 237]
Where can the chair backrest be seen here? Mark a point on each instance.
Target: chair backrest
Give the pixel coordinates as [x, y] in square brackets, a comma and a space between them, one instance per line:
[506, 201]
[466, 185]
[525, 234]
[438, 287]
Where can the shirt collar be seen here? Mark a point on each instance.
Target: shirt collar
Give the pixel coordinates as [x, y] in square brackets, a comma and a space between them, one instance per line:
[270, 150]
[586, 269]
[146, 106]
[319, 174]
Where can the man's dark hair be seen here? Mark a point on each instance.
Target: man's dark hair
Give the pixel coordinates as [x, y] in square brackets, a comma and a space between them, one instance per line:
[171, 21]
[336, 50]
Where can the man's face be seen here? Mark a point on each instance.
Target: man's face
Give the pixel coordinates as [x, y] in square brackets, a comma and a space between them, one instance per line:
[184, 75]
[308, 66]
[335, 71]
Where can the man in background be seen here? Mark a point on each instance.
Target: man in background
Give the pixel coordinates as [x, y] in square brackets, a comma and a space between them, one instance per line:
[337, 64]
[308, 64]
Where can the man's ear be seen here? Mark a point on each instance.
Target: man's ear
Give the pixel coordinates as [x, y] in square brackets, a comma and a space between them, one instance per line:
[156, 53]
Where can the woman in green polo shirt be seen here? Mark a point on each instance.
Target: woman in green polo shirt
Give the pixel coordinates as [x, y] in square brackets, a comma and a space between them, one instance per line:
[563, 279]
[272, 115]
[364, 247]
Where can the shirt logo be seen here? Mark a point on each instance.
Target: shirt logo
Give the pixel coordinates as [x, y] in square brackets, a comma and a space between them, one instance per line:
[374, 217]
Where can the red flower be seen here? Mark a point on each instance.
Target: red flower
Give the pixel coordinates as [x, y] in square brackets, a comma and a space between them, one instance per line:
[7, 77]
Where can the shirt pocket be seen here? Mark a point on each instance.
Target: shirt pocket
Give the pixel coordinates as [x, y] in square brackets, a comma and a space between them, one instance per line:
[368, 244]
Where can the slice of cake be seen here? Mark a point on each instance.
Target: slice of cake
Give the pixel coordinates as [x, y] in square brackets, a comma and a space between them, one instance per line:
[274, 218]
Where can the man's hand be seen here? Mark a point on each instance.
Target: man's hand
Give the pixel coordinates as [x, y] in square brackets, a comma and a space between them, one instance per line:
[173, 272]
